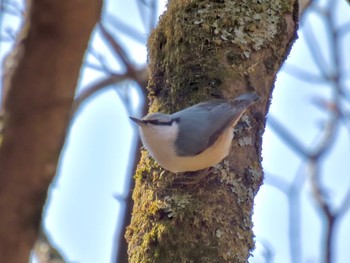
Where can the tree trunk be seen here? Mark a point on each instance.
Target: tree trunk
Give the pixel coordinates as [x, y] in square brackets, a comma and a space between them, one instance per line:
[39, 86]
[202, 50]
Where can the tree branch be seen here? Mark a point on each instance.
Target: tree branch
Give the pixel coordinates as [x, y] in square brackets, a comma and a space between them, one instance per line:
[39, 89]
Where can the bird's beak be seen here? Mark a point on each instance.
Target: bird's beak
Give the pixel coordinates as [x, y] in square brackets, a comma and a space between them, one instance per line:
[137, 121]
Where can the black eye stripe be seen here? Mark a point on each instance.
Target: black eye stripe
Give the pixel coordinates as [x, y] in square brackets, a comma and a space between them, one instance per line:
[166, 123]
[157, 122]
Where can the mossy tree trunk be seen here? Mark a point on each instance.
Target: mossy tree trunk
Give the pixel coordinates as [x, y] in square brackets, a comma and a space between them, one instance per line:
[41, 75]
[202, 50]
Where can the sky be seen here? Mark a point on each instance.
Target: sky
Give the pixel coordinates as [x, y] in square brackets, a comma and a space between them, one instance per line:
[83, 211]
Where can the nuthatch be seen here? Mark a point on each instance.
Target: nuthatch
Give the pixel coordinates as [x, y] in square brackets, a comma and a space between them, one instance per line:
[194, 138]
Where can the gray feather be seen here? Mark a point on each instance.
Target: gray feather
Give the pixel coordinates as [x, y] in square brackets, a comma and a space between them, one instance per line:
[201, 124]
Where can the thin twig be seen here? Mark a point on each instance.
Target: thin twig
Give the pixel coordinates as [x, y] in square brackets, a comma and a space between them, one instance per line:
[116, 47]
[343, 29]
[268, 252]
[315, 51]
[329, 134]
[322, 202]
[119, 51]
[302, 74]
[303, 6]
[336, 114]
[126, 29]
[153, 14]
[141, 6]
[294, 216]
[11, 8]
[276, 181]
[100, 85]
[101, 59]
[287, 136]
[344, 207]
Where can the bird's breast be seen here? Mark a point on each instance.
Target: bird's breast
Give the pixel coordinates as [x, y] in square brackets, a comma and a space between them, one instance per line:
[160, 145]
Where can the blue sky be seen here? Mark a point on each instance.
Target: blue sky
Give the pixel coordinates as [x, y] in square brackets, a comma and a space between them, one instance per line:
[83, 215]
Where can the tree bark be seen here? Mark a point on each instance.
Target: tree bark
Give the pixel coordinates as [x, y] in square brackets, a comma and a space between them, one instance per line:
[204, 49]
[39, 86]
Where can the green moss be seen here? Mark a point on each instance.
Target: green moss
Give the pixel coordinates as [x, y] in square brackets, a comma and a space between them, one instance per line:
[144, 167]
[179, 57]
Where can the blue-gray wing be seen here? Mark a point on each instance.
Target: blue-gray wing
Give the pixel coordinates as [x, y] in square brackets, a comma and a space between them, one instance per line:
[201, 124]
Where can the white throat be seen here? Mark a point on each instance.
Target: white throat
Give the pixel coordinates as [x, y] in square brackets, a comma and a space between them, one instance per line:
[159, 141]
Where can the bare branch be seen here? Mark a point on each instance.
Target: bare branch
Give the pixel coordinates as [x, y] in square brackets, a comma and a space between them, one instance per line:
[324, 205]
[11, 8]
[315, 51]
[102, 84]
[149, 18]
[302, 74]
[140, 7]
[126, 29]
[304, 5]
[292, 192]
[119, 51]
[268, 252]
[101, 59]
[344, 207]
[287, 136]
[277, 181]
[344, 29]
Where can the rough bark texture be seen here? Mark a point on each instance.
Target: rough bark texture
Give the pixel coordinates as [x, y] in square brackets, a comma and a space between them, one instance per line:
[204, 49]
[41, 76]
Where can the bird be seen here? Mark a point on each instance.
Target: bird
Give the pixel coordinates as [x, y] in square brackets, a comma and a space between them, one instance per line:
[195, 138]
